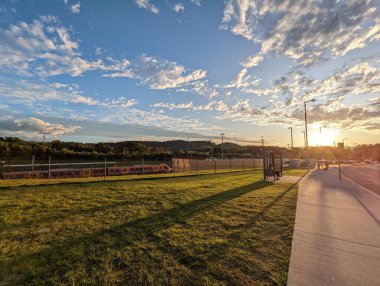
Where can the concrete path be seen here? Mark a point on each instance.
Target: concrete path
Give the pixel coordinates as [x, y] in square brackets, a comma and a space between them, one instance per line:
[336, 239]
[284, 179]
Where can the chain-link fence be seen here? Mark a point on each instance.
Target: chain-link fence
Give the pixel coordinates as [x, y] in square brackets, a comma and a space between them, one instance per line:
[67, 168]
[181, 165]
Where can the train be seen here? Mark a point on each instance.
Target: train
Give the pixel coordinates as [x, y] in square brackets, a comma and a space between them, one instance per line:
[89, 172]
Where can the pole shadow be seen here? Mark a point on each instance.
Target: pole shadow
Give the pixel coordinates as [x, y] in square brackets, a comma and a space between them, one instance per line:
[70, 251]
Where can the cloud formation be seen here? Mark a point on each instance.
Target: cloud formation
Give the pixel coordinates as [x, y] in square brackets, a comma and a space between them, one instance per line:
[42, 47]
[159, 73]
[178, 7]
[145, 4]
[45, 48]
[306, 31]
[32, 128]
[75, 8]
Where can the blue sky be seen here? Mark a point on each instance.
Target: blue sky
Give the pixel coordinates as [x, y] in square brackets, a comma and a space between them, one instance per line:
[94, 71]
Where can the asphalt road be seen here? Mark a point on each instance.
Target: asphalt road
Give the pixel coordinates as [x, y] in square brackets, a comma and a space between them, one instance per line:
[336, 238]
[367, 176]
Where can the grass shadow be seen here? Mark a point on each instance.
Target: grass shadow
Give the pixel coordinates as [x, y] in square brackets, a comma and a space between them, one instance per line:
[56, 216]
[60, 259]
[126, 179]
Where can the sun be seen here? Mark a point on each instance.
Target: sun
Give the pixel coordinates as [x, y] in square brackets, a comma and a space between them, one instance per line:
[323, 136]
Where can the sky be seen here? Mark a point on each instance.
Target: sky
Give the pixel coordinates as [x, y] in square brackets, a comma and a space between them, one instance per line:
[91, 71]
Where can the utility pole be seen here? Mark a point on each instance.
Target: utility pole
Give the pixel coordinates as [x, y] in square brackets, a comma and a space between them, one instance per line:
[222, 145]
[306, 140]
[44, 137]
[262, 141]
[291, 136]
[304, 104]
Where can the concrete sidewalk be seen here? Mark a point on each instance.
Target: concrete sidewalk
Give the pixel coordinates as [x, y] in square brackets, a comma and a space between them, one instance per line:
[336, 239]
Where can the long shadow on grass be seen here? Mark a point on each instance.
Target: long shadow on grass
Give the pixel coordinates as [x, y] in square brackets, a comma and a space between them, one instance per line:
[126, 179]
[58, 215]
[198, 264]
[58, 260]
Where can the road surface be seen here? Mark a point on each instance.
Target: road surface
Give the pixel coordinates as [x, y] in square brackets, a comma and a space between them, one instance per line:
[367, 176]
[336, 239]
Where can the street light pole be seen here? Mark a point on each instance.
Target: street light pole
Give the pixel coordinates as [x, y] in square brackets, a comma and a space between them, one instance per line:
[306, 140]
[291, 136]
[304, 104]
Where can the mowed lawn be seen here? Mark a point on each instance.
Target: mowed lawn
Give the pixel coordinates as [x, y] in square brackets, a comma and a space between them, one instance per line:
[220, 229]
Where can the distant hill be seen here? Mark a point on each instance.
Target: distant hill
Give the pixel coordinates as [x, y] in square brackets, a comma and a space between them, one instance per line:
[15, 147]
[11, 147]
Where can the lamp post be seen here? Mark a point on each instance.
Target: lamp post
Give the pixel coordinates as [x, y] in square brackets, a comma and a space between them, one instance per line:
[222, 145]
[306, 139]
[291, 138]
[304, 104]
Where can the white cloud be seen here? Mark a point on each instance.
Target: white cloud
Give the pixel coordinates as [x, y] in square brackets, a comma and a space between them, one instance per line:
[306, 31]
[42, 46]
[98, 51]
[178, 7]
[32, 127]
[147, 5]
[121, 102]
[252, 61]
[159, 73]
[244, 80]
[46, 48]
[197, 2]
[75, 8]
[32, 94]
[23, 91]
[211, 106]
[240, 12]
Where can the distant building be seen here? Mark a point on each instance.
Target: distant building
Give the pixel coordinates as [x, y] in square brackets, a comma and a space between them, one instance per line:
[340, 145]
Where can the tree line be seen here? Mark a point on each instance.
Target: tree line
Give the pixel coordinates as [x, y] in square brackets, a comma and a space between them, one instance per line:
[12, 147]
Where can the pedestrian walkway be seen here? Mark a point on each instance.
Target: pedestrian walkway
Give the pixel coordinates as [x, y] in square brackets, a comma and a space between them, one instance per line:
[336, 239]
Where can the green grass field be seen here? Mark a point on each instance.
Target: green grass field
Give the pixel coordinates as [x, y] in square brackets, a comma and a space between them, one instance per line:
[219, 229]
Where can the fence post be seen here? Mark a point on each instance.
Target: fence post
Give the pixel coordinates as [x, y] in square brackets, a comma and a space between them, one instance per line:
[33, 164]
[197, 166]
[214, 166]
[49, 167]
[254, 164]
[105, 168]
[230, 165]
[143, 165]
[243, 164]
